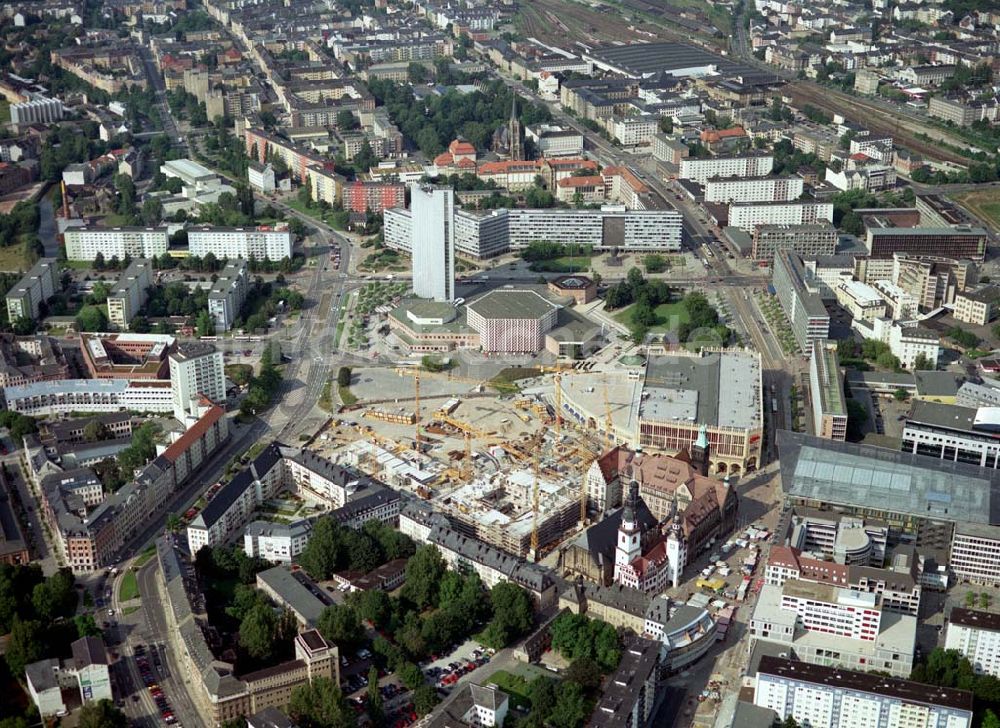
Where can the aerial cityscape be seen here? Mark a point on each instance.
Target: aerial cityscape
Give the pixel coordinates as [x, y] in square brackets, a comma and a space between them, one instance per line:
[527, 363]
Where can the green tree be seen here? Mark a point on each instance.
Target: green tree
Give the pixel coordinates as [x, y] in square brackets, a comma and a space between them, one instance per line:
[513, 614]
[423, 574]
[374, 697]
[24, 645]
[257, 632]
[990, 720]
[372, 605]
[411, 676]
[425, 698]
[320, 704]
[344, 377]
[901, 395]
[204, 325]
[857, 416]
[923, 363]
[95, 431]
[340, 624]
[571, 707]
[585, 672]
[86, 626]
[91, 318]
[346, 120]
[101, 714]
[152, 211]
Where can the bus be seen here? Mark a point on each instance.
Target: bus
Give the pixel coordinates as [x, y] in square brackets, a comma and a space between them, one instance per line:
[774, 405]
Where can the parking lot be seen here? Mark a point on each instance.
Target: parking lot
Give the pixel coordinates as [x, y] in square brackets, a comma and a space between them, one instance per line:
[445, 671]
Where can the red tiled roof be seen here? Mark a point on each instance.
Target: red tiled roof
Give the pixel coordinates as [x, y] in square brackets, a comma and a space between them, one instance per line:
[460, 146]
[199, 428]
[714, 135]
[581, 181]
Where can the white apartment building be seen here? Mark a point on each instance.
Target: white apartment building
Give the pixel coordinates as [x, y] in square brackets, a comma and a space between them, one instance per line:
[196, 370]
[748, 215]
[36, 111]
[633, 131]
[326, 185]
[977, 636]
[754, 189]
[833, 610]
[84, 243]
[228, 294]
[906, 341]
[828, 697]
[62, 396]
[861, 300]
[129, 294]
[276, 542]
[900, 303]
[978, 307]
[432, 242]
[261, 177]
[37, 286]
[260, 243]
[702, 169]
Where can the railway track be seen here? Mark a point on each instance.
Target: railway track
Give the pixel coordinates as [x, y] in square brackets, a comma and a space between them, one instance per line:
[903, 131]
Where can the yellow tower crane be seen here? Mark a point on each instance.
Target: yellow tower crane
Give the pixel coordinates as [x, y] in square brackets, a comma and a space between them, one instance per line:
[534, 508]
[419, 374]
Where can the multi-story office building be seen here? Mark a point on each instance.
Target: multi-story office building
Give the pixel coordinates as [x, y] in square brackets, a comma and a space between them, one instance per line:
[976, 635]
[702, 169]
[978, 307]
[84, 243]
[555, 141]
[432, 242]
[932, 280]
[63, 396]
[753, 189]
[259, 243]
[36, 287]
[950, 432]
[748, 215]
[957, 241]
[860, 300]
[962, 113]
[129, 293]
[815, 695]
[196, 371]
[834, 626]
[806, 240]
[827, 389]
[228, 294]
[801, 303]
[495, 233]
[36, 111]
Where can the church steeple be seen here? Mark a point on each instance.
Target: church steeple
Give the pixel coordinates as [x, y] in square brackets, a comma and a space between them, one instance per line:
[515, 135]
[629, 532]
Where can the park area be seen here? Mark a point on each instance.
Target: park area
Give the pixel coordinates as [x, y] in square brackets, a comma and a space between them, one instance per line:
[985, 204]
[669, 316]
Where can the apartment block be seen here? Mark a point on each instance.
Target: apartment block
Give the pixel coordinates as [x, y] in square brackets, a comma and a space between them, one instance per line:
[260, 243]
[976, 635]
[36, 111]
[84, 243]
[801, 302]
[817, 695]
[702, 169]
[129, 294]
[38, 285]
[753, 189]
[228, 293]
[748, 215]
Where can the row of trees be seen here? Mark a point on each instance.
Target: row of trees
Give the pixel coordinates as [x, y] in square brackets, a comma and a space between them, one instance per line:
[263, 387]
[545, 250]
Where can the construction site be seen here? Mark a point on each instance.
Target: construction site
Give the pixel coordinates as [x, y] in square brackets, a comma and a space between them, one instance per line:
[499, 464]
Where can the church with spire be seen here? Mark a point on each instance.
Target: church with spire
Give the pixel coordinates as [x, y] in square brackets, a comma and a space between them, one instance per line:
[659, 567]
[508, 140]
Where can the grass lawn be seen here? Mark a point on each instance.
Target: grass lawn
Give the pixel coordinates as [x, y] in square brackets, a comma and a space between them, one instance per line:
[4, 112]
[506, 381]
[669, 316]
[984, 203]
[312, 212]
[347, 396]
[564, 264]
[144, 557]
[12, 258]
[130, 610]
[129, 588]
[514, 685]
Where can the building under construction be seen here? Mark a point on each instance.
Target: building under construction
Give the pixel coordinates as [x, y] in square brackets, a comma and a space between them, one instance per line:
[498, 509]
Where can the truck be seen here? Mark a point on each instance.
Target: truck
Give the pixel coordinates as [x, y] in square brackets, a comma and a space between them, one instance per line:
[742, 589]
